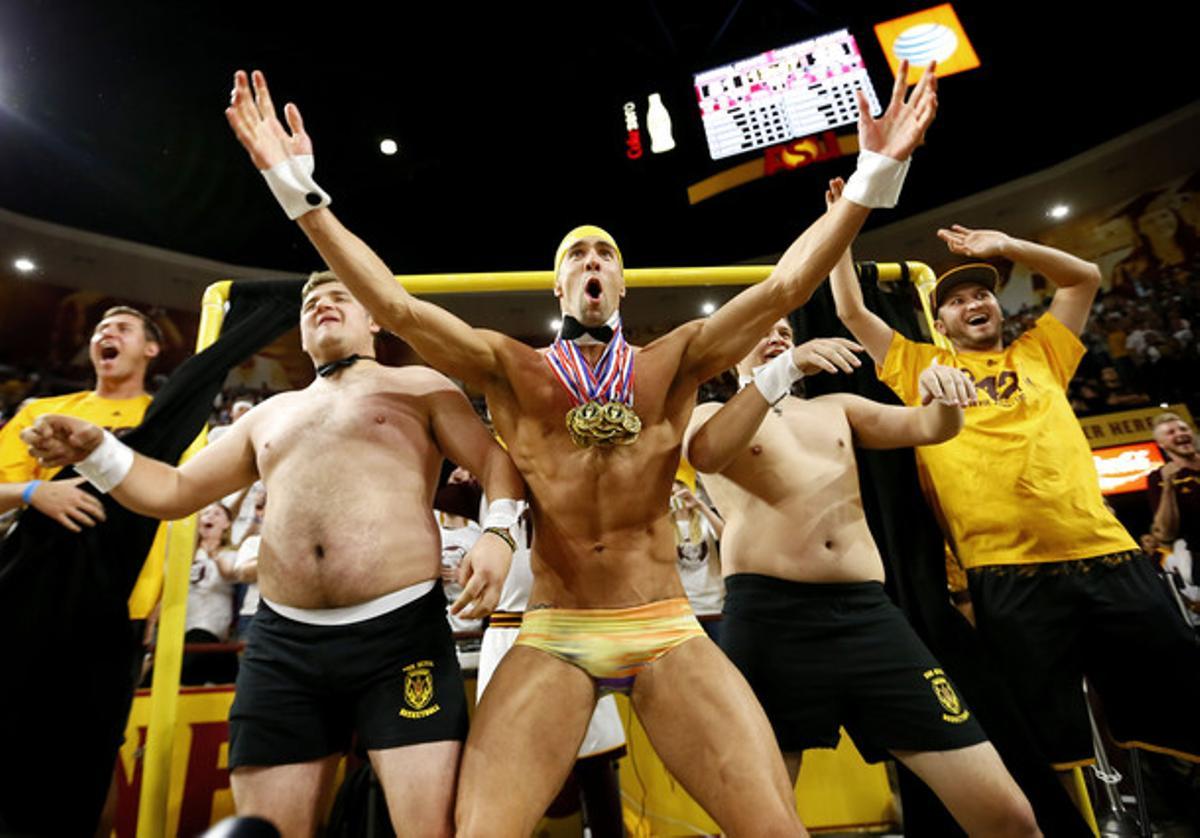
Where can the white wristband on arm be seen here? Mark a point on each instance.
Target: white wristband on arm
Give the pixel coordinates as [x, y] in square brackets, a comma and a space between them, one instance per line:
[876, 181]
[107, 466]
[292, 184]
[502, 513]
[775, 378]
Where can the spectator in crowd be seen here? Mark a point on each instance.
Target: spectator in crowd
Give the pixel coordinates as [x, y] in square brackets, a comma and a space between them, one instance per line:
[246, 566]
[457, 507]
[697, 533]
[122, 347]
[210, 600]
[1056, 587]
[1117, 394]
[1174, 489]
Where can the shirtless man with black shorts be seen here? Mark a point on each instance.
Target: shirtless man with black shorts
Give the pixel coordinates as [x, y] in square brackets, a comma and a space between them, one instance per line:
[351, 631]
[806, 619]
[599, 447]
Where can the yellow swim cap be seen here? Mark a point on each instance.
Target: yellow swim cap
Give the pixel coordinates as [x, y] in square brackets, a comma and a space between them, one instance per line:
[583, 232]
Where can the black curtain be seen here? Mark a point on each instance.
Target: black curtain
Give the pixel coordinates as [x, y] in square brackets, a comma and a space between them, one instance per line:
[911, 543]
[67, 659]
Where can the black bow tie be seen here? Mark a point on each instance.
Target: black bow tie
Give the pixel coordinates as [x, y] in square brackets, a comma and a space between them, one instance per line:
[572, 329]
[326, 370]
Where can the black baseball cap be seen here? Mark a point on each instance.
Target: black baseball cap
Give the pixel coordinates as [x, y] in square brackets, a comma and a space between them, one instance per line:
[980, 272]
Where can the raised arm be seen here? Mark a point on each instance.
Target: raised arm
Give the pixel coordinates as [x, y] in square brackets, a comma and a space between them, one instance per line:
[466, 442]
[285, 157]
[886, 144]
[868, 328]
[718, 434]
[1077, 280]
[147, 486]
[945, 391]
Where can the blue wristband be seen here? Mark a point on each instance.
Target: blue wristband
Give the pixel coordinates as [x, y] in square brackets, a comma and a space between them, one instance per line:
[30, 488]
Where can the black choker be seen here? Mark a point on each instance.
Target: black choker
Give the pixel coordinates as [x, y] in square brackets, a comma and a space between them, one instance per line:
[326, 370]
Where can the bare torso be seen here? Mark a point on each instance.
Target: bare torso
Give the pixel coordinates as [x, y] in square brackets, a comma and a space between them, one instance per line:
[791, 502]
[350, 469]
[603, 537]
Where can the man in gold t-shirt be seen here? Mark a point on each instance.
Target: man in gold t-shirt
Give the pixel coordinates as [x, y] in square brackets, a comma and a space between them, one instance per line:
[1055, 588]
[122, 346]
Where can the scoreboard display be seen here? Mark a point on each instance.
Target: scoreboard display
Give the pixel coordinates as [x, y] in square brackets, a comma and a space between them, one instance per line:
[783, 94]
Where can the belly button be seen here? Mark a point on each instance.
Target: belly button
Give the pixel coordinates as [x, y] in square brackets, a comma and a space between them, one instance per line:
[828, 545]
[379, 420]
[756, 449]
[599, 548]
[841, 443]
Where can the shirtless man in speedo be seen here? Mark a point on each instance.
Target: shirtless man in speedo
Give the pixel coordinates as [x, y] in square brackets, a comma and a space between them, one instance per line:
[351, 631]
[806, 619]
[607, 610]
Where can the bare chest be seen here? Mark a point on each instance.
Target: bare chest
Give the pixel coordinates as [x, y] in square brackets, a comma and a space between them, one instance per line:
[319, 426]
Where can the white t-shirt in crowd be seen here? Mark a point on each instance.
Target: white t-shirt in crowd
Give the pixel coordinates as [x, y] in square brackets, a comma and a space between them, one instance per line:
[210, 595]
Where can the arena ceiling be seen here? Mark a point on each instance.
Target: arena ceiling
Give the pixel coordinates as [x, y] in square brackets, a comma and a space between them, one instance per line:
[510, 129]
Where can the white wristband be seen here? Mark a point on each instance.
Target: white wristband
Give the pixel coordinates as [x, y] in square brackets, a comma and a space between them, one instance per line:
[502, 513]
[107, 466]
[876, 181]
[775, 378]
[292, 184]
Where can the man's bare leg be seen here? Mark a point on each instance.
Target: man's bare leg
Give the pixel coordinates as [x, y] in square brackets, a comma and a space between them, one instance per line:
[419, 784]
[289, 796]
[523, 741]
[975, 786]
[708, 729]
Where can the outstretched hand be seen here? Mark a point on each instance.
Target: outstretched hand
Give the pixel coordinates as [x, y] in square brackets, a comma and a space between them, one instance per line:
[900, 128]
[978, 244]
[946, 385]
[56, 441]
[251, 115]
[826, 355]
[482, 574]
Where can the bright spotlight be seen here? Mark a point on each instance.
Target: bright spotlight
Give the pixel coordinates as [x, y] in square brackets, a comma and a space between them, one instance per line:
[1059, 211]
[24, 265]
[388, 147]
[555, 325]
[708, 308]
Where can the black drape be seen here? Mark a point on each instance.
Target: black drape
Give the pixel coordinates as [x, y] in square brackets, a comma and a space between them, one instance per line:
[66, 664]
[911, 543]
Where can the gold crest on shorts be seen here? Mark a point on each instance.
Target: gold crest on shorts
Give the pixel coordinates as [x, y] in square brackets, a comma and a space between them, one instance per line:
[418, 691]
[943, 690]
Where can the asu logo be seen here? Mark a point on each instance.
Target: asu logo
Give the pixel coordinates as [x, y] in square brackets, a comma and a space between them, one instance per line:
[955, 712]
[418, 691]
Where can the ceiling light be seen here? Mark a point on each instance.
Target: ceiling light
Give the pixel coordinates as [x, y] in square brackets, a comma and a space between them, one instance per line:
[1059, 211]
[24, 265]
[708, 307]
[388, 147]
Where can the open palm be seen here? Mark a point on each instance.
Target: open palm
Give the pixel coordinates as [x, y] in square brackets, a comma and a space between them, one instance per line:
[251, 115]
[900, 128]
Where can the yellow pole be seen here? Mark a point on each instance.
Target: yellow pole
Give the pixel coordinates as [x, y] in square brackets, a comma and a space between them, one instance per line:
[544, 280]
[168, 652]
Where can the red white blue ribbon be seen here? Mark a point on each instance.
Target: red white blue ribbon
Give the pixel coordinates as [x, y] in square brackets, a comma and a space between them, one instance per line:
[611, 380]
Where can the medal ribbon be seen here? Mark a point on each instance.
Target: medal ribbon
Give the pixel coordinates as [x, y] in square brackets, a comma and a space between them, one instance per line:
[610, 381]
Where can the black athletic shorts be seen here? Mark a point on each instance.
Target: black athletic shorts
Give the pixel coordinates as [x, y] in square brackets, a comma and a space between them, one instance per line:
[1109, 618]
[302, 689]
[822, 655]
